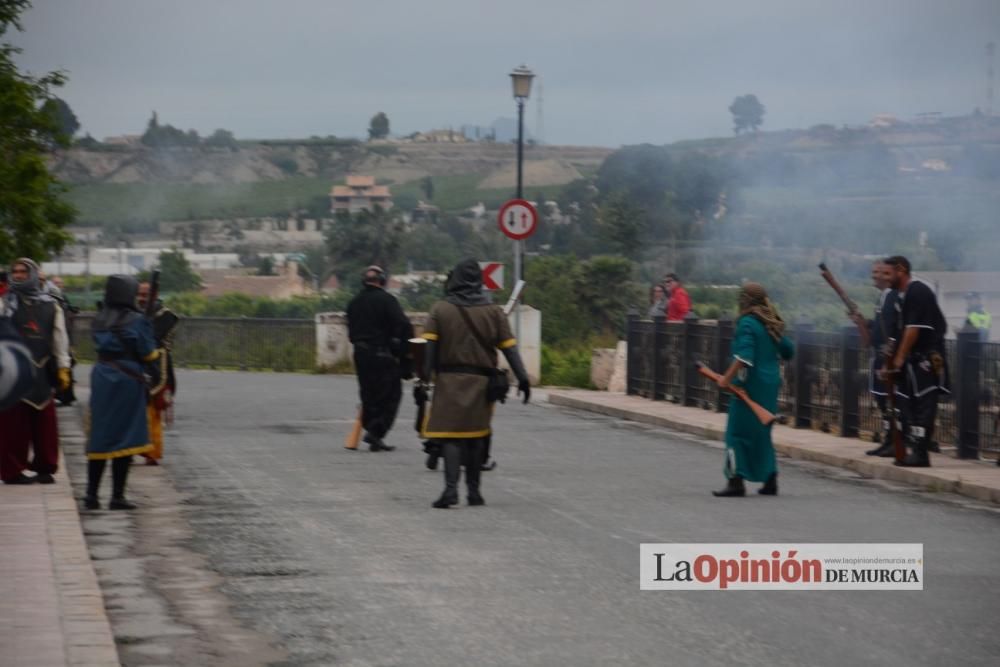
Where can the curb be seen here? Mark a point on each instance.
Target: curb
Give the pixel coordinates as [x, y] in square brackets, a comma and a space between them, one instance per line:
[967, 478]
[87, 635]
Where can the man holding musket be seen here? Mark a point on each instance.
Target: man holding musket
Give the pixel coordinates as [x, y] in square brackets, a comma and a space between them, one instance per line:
[379, 330]
[919, 359]
[877, 334]
[464, 332]
[163, 391]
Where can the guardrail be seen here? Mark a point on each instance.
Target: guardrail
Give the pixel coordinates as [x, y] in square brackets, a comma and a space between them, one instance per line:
[825, 387]
[243, 343]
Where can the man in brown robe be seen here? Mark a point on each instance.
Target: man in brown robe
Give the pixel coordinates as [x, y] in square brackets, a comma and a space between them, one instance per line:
[464, 331]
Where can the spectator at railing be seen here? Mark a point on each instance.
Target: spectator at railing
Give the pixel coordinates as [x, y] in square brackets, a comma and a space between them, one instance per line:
[680, 303]
[657, 301]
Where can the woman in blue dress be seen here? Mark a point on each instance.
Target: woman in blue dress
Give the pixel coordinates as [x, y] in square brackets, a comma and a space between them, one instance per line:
[759, 343]
[123, 340]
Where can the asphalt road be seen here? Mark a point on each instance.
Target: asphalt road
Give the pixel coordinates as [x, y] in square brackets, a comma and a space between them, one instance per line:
[337, 557]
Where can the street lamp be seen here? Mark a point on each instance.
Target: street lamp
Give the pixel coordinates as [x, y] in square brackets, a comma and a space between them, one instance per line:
[520, 80]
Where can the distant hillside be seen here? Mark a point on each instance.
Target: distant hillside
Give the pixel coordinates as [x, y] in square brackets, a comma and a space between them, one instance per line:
[123, 185]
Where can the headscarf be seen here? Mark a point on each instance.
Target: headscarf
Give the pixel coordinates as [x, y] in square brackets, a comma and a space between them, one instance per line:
[754, 301]
[30, 287]
[464, 286]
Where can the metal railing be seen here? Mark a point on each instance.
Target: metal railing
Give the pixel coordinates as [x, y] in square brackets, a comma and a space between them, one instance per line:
[243, 343]
[824, 387]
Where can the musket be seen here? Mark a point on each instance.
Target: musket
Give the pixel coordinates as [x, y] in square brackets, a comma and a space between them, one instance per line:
[852, 308]
[828, 277]
[765, 416]
[895, 437]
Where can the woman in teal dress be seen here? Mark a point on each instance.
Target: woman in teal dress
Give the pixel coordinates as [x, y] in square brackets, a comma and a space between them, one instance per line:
[759, 342]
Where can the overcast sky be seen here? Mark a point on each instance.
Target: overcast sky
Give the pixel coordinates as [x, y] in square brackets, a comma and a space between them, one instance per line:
[611, 73]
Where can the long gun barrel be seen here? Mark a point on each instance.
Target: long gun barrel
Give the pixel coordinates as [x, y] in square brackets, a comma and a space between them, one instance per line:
[765, 416]
[828, 277]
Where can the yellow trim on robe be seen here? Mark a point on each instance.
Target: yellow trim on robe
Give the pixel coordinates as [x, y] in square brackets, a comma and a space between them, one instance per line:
[452, 435]
[152, 356]
[141, 449]
[429, 336]
[510, 342]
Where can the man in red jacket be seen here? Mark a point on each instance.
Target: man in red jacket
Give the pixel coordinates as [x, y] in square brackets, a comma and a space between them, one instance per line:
[680, 303]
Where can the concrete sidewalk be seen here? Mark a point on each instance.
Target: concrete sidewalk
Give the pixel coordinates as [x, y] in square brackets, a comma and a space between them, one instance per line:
[976, 479]
[51, 607]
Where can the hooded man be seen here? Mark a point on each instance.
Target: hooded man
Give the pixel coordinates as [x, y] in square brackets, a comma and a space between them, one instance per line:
[123, 340]
[380, 331]
[464, 331]
[31, 423]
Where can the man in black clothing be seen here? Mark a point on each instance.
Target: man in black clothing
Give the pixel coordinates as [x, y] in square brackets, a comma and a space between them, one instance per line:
[379, 330]
[880, 331]
[919, 359]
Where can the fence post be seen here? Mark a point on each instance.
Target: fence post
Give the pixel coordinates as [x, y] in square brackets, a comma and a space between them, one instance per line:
[849, 389]
[724, 340]
[967, 391]
[631, 352]
[803, 415]
[242, 348]
[689, 374]
[659, 362]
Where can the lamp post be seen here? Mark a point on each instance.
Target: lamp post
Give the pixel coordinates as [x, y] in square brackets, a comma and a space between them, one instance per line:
[520, 79]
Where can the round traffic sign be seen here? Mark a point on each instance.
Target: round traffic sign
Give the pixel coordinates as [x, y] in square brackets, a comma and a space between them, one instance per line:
[518, 219]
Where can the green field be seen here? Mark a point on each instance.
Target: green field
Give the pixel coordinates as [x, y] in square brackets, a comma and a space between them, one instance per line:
[141, 205]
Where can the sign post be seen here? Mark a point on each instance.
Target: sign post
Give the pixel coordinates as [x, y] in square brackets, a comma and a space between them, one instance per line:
[518, 219]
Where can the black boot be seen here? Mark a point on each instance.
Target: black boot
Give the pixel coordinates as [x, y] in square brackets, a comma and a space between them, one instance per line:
[734, 488]
[91, 503]
[376, 444]
[119, 477]
[452, 468]
[472, 453]
[770, 487]
[447, 499]
[918, 458]
[884, 451]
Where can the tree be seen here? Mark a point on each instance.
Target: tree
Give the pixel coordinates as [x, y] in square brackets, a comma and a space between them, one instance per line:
[427, 187]
[222, 139]
[65, 118]
[32, 213]
[379, 127]
[265, 266]
[621, 225]
[369, 237]
[176, 274]
[748, 113]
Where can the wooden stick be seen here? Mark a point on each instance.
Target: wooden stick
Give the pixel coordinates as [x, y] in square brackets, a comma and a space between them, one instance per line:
[765, 416]
[351, 442]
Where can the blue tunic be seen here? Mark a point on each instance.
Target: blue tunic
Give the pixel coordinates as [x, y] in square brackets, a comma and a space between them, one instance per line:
[749, 450]
[118, 398]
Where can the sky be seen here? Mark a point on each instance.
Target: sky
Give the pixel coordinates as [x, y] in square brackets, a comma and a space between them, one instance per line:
[608, 73]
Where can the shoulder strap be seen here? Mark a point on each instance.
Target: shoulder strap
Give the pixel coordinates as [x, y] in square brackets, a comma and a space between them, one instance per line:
[475, 332]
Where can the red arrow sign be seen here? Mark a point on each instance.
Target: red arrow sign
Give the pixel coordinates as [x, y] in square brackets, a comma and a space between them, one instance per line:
[492, 275]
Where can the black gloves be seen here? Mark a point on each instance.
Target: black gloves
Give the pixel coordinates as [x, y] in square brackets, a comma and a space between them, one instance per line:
[524, 387]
